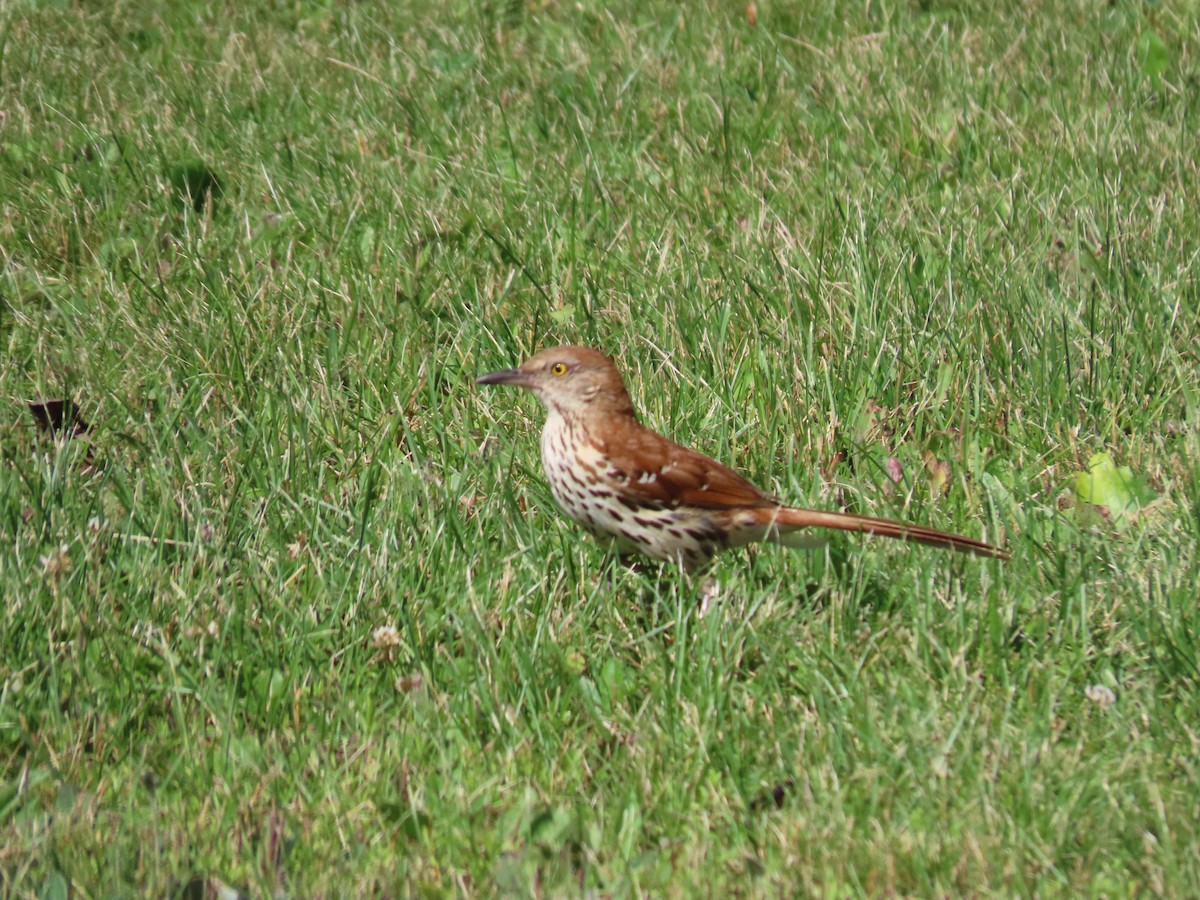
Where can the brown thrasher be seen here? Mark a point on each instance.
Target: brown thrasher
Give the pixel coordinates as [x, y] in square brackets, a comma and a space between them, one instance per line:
[635, 489]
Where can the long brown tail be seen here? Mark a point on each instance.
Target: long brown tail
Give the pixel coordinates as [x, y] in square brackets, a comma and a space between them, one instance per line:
[788, 518]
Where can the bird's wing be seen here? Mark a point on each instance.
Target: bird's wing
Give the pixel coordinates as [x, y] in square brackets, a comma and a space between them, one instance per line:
[665, 472]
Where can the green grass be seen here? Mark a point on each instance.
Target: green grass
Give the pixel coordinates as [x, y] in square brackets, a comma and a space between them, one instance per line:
[266, 250]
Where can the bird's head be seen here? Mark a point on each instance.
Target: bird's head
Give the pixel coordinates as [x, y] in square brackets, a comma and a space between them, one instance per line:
[571, 381]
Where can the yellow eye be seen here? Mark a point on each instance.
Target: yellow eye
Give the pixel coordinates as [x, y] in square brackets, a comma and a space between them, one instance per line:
[558, 369]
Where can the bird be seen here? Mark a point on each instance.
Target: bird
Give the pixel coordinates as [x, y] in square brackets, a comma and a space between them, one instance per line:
[641, 493]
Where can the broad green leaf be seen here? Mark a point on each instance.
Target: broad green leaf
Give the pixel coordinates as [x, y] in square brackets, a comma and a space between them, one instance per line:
[1116, 489]
[1152, 55]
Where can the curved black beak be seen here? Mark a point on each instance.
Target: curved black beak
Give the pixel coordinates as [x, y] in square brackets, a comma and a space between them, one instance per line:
[505, 376]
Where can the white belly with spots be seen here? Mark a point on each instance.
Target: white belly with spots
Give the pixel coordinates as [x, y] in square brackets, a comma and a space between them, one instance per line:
[604, 502]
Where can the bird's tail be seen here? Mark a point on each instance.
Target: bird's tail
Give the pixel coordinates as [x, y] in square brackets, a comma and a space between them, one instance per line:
[787, 526]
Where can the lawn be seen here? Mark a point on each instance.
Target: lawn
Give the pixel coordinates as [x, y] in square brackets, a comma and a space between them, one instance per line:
[288, 607]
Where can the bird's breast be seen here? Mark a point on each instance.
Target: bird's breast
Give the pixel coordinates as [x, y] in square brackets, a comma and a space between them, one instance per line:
[586, 486]
[613, 505]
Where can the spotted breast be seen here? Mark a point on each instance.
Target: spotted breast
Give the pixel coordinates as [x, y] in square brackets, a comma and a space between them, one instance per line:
[595, 492]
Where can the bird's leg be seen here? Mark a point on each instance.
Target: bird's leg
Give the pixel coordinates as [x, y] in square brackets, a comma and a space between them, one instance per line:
[710, 586]
[709, 592]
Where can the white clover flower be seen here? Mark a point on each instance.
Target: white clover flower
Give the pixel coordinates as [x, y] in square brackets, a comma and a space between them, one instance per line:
[386, 637]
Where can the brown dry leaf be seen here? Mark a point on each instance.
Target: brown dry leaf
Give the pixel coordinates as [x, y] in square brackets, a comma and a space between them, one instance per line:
[406, 684]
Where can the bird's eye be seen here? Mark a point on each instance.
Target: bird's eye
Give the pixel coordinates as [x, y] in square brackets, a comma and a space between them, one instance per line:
[558, 369]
